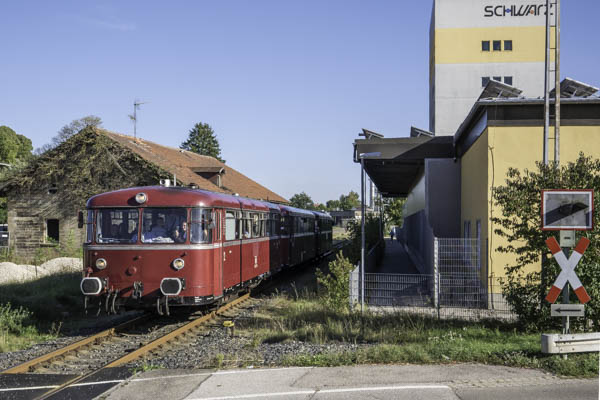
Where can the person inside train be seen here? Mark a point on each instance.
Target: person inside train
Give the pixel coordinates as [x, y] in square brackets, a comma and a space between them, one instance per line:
[114, 231]
[180, 234]
[158, 230]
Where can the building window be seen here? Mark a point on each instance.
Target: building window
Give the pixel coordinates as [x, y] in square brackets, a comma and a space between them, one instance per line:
[485, 45]
[508, 45]
[52, 231]
[508, 80]
[498, 78]
[497, 45]
[484, 81]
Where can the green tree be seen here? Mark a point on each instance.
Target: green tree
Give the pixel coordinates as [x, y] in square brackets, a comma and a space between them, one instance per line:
[393, 211]
[9, 145]
[13, 146]
[332, 205]
[349, 201]
[25, 148]
[15, 150]
[202, 140]
[302, 200]
[519, 224]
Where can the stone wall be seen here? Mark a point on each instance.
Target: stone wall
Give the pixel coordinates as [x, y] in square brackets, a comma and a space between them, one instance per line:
[27, 216]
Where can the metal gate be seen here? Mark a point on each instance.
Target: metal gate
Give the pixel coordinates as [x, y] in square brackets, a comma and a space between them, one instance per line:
[457, 262]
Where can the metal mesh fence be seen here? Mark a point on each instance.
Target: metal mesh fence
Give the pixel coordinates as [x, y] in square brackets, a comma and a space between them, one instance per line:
[455, 290]
[458, 263]
[399, 290]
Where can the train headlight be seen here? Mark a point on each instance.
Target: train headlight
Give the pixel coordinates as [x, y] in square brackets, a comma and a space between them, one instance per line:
[101, 263]
[141, 198]
[178, 263]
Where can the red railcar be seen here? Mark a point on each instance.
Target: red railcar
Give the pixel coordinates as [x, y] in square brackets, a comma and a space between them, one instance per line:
[176, 246]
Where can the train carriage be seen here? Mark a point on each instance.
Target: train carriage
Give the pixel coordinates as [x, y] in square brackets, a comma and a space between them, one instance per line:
[170, 246]
[324, 232]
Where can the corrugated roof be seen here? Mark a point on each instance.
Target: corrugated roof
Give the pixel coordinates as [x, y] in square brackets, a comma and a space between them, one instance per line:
[183, 164]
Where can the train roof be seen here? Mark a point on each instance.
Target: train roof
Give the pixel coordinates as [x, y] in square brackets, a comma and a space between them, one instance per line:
[296, 211]
[174, 196]
[322, 214]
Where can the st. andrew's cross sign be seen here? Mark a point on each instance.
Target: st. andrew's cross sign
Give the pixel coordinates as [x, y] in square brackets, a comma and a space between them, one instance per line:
[567, 273]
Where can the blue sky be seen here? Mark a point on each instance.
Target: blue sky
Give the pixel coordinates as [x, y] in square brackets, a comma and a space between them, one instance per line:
[286, 85]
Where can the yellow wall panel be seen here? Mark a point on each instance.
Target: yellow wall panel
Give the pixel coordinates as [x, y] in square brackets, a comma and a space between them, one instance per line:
[474, 191]
[463, 45]
[521, 147]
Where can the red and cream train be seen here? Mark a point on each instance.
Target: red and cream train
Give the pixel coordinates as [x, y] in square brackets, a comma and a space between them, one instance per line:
[160, 246]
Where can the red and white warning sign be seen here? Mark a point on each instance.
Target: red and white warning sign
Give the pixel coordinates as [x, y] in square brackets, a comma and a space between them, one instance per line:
[568, 270]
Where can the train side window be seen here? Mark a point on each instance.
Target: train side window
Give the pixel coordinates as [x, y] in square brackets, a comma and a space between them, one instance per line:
[202, 225]
[89, 226]
[246, 223]
[255, 219]
[231, 231]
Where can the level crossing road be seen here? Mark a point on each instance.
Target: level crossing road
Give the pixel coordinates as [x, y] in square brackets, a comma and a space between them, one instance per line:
[451, 382]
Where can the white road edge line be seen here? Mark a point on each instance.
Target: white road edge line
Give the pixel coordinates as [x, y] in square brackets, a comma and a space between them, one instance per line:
[345, 390]
[156, 378]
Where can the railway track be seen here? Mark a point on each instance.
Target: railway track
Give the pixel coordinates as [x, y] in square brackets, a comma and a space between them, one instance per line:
[127, 343]
[81, 358]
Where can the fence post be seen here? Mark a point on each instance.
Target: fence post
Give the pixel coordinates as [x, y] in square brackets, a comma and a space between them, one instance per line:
[436, 276]
[353, 295]
[438, 293]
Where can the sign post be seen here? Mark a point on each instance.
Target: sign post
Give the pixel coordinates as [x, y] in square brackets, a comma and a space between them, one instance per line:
[567, 211]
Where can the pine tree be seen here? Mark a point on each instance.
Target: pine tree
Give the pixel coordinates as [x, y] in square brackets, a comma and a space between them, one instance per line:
[202, 140]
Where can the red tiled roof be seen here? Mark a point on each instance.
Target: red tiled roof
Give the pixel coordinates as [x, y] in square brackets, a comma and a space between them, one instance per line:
[183, 163]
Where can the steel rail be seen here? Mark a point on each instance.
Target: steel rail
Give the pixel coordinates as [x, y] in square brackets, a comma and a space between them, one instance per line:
[30, 365]
[169, 336]
[148, 347]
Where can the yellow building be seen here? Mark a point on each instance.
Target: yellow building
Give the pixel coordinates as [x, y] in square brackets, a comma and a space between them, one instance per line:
[448, 181]
[502, 133]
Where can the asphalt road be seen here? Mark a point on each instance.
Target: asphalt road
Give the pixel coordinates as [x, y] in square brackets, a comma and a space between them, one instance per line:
[459, 381]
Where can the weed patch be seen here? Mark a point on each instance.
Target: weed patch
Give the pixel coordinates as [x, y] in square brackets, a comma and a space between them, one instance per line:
[402, 338]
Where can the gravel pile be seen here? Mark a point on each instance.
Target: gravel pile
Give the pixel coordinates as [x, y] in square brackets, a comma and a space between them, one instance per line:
[11, 272]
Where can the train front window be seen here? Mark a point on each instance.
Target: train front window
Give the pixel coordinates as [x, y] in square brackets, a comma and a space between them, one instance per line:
[164, 225]
[116, 225]
[202, 225]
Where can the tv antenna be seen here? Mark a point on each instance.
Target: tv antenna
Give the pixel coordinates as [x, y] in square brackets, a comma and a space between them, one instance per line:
[136, 106]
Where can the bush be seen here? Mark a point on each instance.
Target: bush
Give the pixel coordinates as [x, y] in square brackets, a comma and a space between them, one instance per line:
[520, 224]
[337, 283]
[11, 319]
[372, 234]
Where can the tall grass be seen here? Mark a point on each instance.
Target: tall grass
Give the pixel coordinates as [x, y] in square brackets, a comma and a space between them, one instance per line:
[35, 310]
[16, 330]
[49, 298]
[402, 338]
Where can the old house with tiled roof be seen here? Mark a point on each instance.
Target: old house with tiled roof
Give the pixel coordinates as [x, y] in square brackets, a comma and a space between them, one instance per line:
[43, 200]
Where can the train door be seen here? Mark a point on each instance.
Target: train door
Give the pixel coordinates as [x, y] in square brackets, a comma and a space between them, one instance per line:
[219, 238]
[231, 249]
[250, 247]
[284, 240]
[274, 241]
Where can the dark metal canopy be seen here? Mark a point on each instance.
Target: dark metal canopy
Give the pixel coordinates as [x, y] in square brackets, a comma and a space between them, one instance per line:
[398, 167]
